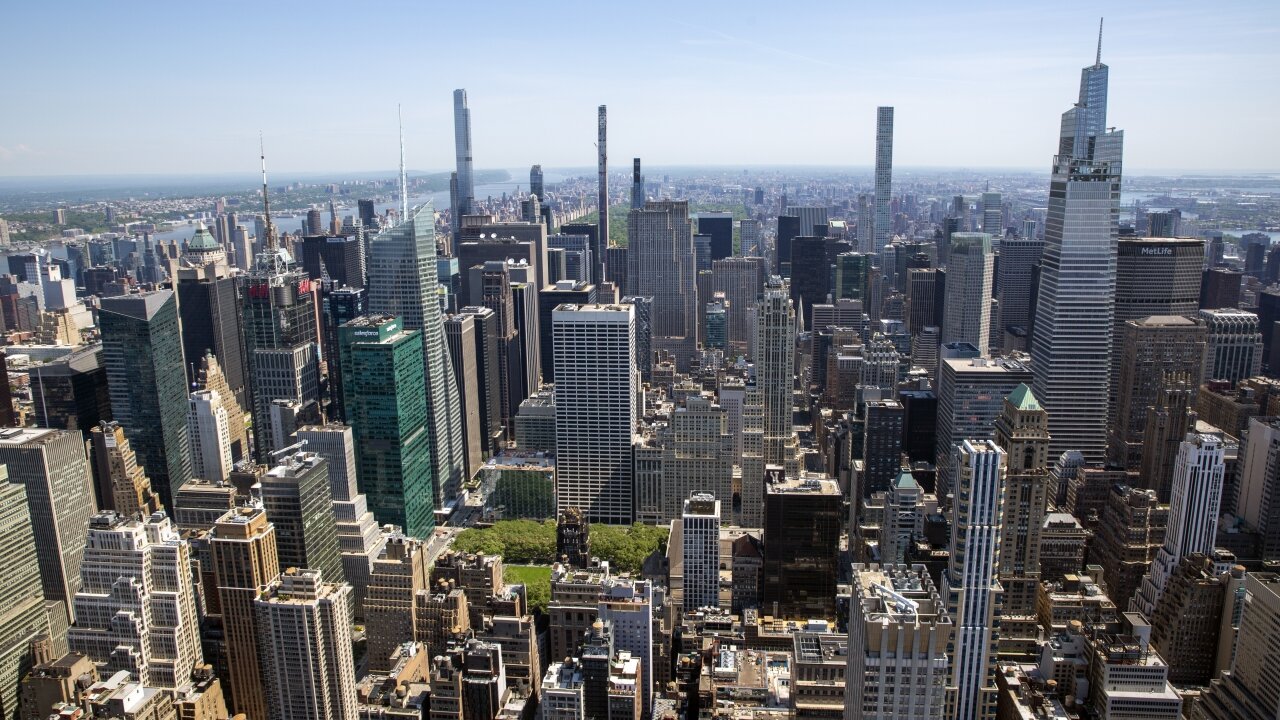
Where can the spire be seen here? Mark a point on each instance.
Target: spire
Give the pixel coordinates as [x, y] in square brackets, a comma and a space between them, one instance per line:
[270, 239]
[1098, 60]
[404, 185]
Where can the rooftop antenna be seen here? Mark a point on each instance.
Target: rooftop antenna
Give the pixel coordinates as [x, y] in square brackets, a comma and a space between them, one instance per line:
[404, 184]
[1098, 61]
[266, 201]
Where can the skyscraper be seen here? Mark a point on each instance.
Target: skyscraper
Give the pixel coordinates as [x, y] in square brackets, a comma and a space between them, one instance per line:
[803, 517]
[968, 307]
[460, 335]
[700, 538]
[403, 284]
[140, 570]
[304, 630]
[883, 224]
[596, 394]
[741, 279]
[971, 394]
[299, 502]
[1072, 338]
[142, 349]
[774, 353]
[535, 182]
[660, 264]
[462, 148]
[123, 486]
[1022, 431]
[1193, 514]
[22, 617]
[207, 424]
[899, 632]
[1154, 351]
[209, 307]
[1018, 258]
[51, 465]
[1234, 345]
[970, 581]
[637, 185]
[1154, 276]
[243, 548]
[283, 347]
[993, 217]
[602, 197]
[386, 406]
[1249, 688]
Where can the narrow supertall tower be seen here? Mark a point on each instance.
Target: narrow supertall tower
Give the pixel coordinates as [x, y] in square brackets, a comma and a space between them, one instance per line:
[602, 160]
[462, 145]
[637, 185]
[1071, 344]
[883, 221]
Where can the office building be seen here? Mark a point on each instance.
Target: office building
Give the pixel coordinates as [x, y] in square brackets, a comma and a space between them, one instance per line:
[549, 298]
[136, 606]
[210, 437]
[22, 613]
[883, 222]
[243, 546]
[70, 393]
[803, 518]
[970, 581]
[142, 351]
[750, 238]
[1193, 514]
[1249, 690]
[282, 344]
[992, 216]
[403, 284]
[696, 456]
[773, 350]
[209, 308]
[596, 409]
[460, 336]
[967, 316]
[577, 256]
[1129, 533]
[1072, 337]
[1018, 259]
[123, 486]
[627, 606]
[700, 550]
[1154, 276]
[1186, 621]
[810, 275]
[1220, 288]
[881, 447]
[899, 635]
[1233, 349]
[1169, 420]
[51, 465]
[921, 301]
[718, 225]
[304, 630]
[741, 279]
[338, 258]
[660, 264]
[971, 394]
[387, 408]
[1155, 350]
[211, 378]
[1022, 431]
[299, 502]
[1127, 678]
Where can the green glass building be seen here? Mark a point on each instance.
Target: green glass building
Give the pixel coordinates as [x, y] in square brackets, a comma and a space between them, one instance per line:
[142, 351]
[385, 398]
[853, 276]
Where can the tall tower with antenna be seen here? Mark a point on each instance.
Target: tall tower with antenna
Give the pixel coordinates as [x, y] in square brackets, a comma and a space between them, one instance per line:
[403, 284]
[281, 342]
[1072, 336]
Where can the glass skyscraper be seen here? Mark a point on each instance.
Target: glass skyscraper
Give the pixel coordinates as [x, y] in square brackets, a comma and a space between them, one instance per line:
[142, 350]
[385, 399]
[1071, 341]
[403, 284]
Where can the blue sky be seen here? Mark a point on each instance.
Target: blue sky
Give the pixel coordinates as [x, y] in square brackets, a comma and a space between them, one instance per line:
[178, 87]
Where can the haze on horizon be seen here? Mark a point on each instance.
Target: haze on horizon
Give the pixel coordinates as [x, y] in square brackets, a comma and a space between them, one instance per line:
[174, 88]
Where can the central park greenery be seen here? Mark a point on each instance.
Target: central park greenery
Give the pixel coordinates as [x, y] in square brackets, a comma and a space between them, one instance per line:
[529, 542]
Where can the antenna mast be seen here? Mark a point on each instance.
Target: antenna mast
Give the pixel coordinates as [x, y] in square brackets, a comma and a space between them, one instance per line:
[404, 183]
[1098, 61]
[270, 239]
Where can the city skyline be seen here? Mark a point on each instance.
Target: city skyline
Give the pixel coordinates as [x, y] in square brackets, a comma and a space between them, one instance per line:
[772, 72]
